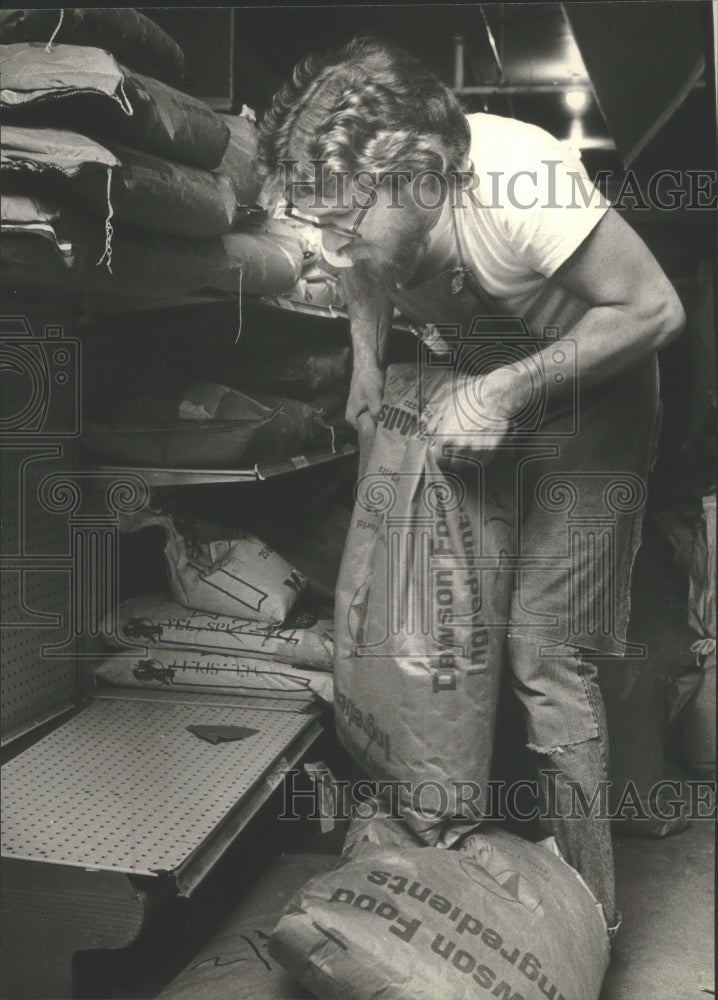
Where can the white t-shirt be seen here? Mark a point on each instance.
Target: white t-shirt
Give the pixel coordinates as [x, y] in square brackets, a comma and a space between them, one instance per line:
[532, 205]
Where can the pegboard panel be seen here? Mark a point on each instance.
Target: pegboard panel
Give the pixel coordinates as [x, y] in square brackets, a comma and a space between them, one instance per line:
[32, 688]
[123, 786]
[40, 370]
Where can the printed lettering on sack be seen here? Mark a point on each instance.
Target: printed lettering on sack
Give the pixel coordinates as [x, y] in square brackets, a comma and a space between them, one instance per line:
[465, 927]
[364, 722]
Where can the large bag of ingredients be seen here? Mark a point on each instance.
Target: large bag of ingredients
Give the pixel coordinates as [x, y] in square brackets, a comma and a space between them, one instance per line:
[139, 264]
[499, 917]
[296, 427]
[215, 673]
[239, 163]
[240, 577]
[235, 963]
[155, 621]
[86, 90]
[140, 189]
[36, 150]
[151, 431]
[297, 372]
[418, 641]
[692, 695]
[131, 37]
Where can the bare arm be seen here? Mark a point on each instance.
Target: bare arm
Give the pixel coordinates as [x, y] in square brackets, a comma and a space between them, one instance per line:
[634, 311]
[370, 314]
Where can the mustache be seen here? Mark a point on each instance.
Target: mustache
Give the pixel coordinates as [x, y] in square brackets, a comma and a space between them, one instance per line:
[385, 272]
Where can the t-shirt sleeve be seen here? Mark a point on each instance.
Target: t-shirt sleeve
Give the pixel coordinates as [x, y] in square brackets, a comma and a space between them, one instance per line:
[549, 203]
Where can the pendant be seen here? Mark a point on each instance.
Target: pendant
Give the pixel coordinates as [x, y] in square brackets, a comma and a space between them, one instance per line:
[457, 282]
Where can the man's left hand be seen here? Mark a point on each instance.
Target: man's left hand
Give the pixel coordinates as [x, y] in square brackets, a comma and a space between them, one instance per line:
[471, 414]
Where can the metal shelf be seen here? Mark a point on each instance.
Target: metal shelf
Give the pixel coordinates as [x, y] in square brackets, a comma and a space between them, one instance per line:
[155, 477]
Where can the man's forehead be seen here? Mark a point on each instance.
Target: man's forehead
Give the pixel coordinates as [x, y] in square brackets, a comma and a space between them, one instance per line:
[341, 195]
[326, 192]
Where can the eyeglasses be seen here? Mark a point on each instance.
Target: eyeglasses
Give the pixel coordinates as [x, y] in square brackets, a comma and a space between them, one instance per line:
[351, 233]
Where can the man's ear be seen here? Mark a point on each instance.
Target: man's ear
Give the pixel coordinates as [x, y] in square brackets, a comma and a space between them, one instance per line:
[430, 187]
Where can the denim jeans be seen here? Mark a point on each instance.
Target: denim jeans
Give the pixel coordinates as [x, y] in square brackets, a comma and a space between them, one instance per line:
[566, 726]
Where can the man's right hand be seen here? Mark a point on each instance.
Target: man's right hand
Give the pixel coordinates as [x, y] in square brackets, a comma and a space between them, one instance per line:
[365, 394]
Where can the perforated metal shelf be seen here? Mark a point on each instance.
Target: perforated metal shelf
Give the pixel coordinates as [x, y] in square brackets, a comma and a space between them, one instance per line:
[222, 699]
[123, 786]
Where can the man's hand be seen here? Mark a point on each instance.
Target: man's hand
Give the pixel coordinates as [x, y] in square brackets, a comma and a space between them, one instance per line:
[473, 414]
[365, 394]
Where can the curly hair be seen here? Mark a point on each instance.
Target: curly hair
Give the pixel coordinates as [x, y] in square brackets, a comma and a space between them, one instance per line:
[368, 106]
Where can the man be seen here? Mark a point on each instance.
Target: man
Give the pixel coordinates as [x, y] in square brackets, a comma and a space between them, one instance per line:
[448, 218]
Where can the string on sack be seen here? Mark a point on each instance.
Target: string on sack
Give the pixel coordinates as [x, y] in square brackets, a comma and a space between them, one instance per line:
[48, 47]
[239, 328]
[109, 231]
[331, 429]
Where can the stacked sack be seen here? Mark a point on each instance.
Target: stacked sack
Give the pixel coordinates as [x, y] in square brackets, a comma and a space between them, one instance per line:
[229, 626]
[278, 399]
[106, 165]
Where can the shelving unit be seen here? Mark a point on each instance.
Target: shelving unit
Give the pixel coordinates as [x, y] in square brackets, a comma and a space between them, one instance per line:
[119, 809]
[206, 477]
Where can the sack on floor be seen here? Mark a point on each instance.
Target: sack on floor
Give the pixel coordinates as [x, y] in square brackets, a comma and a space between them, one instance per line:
[192, 669]
[239, 163]
[131, 37]
[234, 964]
[85, 89]
[692, 710]
[500, 917]
[692, 695]
[702, 580]
[417, 662]
[155, 621]
[240, 577]
[373, 821]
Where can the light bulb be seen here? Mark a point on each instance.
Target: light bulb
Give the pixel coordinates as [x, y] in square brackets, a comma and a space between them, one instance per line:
[576, 99]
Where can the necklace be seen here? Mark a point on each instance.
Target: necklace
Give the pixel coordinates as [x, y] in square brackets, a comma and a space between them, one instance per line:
[460, 272]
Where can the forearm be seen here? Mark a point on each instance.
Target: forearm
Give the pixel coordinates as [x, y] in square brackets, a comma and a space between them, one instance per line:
[370, 315]
[606, 341]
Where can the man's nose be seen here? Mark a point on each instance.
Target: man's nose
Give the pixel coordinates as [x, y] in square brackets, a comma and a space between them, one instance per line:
[333, 241]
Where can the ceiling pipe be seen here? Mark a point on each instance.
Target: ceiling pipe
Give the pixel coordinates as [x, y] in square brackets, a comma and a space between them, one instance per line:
[525, 88]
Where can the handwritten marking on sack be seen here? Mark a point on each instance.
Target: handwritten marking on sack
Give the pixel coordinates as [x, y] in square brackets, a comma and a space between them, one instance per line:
[234, 627]
[217, 962]
[363, 721]
[464, 923]
[142, 628]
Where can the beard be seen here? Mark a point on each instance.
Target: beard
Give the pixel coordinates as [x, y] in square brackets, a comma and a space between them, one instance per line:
[391, 269]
